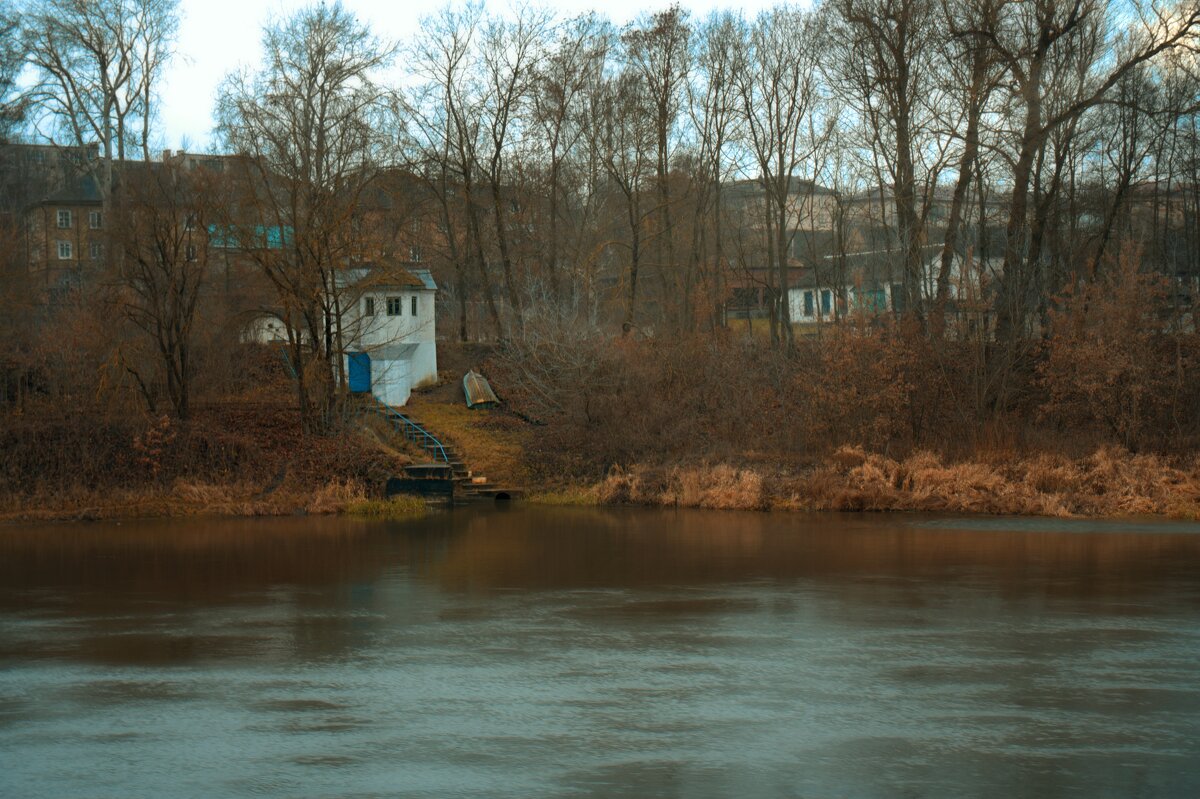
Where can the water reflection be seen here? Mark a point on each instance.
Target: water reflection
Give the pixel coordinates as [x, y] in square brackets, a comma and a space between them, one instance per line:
[599, 653]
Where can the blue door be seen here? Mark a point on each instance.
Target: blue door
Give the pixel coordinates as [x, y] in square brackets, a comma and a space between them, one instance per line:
[360, 372]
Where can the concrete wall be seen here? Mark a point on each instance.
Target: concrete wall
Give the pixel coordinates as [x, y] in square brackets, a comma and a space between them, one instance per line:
[401, 344]
[381, 334]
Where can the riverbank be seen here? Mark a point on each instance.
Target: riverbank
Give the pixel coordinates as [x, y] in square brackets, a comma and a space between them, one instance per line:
[230, 459]
[251, 459]
[1109, 483]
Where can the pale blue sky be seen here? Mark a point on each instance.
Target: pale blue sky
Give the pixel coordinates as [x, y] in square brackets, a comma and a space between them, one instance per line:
[217, 36]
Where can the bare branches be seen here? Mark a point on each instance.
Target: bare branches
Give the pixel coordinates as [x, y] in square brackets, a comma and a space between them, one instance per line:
[97, 67]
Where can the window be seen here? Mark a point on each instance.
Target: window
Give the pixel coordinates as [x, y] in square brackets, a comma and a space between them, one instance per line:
[395, 306]
[64, 219]
[414, 305]
[871, 300]
[191, 252]
[64, 250]
[826, 301]
[95, 220]
[95, 250]
[189, 223]
[368, 306]
[414, 254]
[808, 303]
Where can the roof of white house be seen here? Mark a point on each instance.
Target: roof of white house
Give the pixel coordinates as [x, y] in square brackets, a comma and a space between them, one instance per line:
[426, 277]
[386, 276]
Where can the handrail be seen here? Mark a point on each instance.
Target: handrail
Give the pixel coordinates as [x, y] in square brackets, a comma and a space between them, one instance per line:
[407, 427]
[287, 361]
[411, 430]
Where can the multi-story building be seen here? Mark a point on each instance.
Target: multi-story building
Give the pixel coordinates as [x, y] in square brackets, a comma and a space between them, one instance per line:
[65, 236]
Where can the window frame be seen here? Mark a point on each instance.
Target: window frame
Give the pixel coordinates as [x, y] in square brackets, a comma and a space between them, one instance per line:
[64, 219]
[95, 250]
[368, 306]
[64, 245]
[414, 305]
[395, 306]
[95, 220]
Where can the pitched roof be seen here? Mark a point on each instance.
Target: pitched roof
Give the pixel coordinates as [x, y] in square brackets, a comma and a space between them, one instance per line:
[81, 190]
[385, 274]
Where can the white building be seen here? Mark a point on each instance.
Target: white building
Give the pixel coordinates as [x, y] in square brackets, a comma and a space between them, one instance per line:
[871, 283]
[388, 329]
[388, 324]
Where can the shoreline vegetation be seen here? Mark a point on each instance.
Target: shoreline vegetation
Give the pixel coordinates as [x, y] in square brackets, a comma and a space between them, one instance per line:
[1107, 484]
[249, 458]
[865, 256]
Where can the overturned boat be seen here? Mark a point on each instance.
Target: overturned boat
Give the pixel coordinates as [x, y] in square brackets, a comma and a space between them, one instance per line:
[478, 391]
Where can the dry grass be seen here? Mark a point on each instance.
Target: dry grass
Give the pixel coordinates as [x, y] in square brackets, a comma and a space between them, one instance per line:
[577, 496]
[187, 498]
[720, 487]
[1109, 482]
[491, 443]
[394, 509]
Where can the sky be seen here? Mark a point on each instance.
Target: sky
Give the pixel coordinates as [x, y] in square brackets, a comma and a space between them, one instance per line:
[219, 36]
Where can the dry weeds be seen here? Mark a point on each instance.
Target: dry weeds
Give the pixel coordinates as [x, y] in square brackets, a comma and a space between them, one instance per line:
[1110, 482]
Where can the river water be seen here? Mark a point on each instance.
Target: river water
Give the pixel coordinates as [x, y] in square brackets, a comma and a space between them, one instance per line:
[596, 653]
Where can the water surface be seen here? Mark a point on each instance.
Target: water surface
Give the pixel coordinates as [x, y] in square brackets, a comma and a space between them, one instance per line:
[595, 653]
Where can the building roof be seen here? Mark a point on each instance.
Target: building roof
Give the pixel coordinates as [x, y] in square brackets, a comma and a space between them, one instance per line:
[753, 187]
[80, 190]
[387, 275]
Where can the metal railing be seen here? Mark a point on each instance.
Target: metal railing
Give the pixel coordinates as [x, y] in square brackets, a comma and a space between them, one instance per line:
[411, 430]
[403, 425]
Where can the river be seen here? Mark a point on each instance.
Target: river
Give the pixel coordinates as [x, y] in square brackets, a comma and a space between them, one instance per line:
[538, 652]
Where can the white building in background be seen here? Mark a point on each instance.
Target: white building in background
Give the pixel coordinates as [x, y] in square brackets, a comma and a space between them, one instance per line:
[388, 330]
[388, 326]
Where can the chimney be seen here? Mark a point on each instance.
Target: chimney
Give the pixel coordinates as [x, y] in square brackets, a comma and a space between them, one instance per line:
[166, 156]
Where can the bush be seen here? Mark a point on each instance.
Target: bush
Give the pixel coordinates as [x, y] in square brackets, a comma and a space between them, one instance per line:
[1116, 361]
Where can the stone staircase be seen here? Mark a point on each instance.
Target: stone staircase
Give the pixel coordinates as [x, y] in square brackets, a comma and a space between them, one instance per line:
[468, 486]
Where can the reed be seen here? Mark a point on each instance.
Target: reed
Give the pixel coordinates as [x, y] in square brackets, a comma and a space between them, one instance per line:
[397, 508]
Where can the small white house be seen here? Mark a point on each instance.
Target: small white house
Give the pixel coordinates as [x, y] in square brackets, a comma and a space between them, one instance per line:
[388, 328]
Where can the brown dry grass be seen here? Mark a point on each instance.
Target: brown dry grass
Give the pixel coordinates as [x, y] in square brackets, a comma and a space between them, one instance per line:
[719, 487]
[491, 443]
[187, 498]
[1109, 482]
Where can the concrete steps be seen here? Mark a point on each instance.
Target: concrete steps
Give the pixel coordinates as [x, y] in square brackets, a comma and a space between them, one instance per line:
[468, 486]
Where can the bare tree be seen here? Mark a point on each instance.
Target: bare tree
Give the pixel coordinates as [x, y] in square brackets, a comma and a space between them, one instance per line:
[780, 92]
[713, 107]
[628, 152]
[162, 233]
[974, 76]
[657, 50]
[561, 80]
[97, 67]
[451, 114]
[1028, 39]
[314, 124]
[12, 58]
[510, 52]
[888, 58]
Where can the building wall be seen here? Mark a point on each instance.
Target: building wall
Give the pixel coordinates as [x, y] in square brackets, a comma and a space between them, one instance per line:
[44, 235]
[402, 345]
